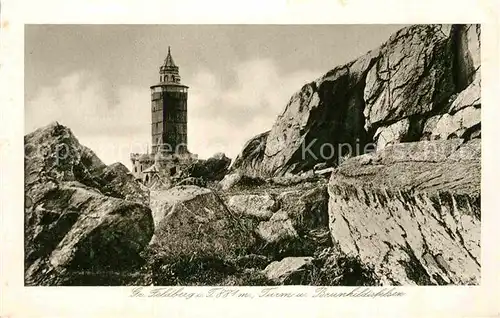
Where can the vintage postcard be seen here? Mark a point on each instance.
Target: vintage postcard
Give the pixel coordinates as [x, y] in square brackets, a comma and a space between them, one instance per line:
[194, 165]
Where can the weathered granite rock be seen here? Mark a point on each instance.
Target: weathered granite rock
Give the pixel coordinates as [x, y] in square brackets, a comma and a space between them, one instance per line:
[52, 152]
[117, 181]
[229, 181]
[467, 43]
[236, 181]
[260, 207]
[287, 270]
[311, 120]
[459, 125]
[463, 117]
[412, 76]
[413, 212]
[82, 215]
[279, 228]
[384, 96]
[391, 134]
[249, 161]
[213, 169]
[190, 220]
[308, 210]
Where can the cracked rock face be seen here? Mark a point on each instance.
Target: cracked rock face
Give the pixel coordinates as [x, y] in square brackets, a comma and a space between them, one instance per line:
[420, 77]
[412, 76]
[312, 118]
[463, 120]
[80, 215]
[414, 217]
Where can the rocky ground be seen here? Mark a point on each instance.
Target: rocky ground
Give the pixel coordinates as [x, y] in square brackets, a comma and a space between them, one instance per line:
[405, 214]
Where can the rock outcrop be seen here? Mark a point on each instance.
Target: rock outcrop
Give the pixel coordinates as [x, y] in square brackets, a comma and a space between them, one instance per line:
[423, 83]
[412, 211]
[80, 214]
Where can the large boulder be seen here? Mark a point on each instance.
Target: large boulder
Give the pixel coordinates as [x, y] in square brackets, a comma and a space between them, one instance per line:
[80, 215]
[190, 220]
[308, 208]
[300, 224]
[279, 229]
[392, 133]
[466, 40]
[257, 206]
[229, 181]
[236, 181]
[411, 211]
[118, 181]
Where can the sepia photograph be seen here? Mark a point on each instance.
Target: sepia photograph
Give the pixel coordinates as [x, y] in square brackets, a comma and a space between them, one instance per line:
[252, 155]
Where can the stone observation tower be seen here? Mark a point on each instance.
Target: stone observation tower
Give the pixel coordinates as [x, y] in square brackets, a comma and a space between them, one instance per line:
[168, 129]
[169, 110]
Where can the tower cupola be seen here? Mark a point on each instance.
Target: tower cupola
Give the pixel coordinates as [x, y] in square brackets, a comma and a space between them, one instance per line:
[169, 72]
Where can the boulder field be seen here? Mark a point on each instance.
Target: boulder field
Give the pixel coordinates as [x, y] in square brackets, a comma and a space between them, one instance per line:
[397, 202]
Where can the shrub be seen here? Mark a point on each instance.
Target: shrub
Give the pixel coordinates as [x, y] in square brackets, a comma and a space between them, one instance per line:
[342, 270]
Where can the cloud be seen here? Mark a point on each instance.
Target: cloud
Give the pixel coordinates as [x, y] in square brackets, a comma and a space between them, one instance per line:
[80, 101]
[224, 117]
[114, 121]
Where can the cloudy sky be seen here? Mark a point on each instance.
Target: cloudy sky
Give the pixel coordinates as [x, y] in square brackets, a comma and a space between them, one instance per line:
[95, 78]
